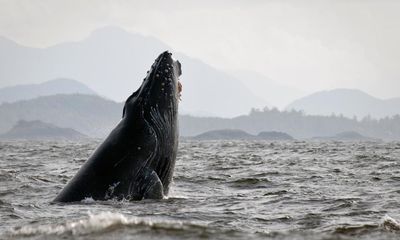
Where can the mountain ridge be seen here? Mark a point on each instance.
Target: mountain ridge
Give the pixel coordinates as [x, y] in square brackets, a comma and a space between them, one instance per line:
[273, 93]
[348, 102]
[39, 130]
[51, 87]
[113, 62]
[83, 113]
[96, 117]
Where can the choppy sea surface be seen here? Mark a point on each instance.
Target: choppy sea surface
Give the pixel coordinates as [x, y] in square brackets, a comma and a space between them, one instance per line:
[221, 190]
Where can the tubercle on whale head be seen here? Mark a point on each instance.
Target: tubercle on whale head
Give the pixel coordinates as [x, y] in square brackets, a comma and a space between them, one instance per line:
[161, 84]
[161, 87]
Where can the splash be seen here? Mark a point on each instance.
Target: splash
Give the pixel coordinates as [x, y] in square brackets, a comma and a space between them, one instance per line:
[390, 224]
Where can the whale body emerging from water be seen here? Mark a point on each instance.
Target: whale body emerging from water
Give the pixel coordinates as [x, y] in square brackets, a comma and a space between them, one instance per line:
[136, 161]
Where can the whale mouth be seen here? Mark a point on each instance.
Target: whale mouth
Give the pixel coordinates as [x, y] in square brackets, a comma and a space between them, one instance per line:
[180, 90]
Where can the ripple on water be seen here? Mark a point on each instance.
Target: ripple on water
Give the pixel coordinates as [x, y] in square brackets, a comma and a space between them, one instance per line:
[221, 190]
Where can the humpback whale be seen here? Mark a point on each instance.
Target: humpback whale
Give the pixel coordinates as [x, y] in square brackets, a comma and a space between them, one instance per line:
[136, 161]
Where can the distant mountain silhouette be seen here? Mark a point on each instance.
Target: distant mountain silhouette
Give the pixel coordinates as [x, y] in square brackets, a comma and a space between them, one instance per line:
[348, 102]
[272, 93]
[38, 130]
[114, 62]
[274, 135]
[52, 87]
[89, 114]
[96, 117]
[294, 123]
[225, 134]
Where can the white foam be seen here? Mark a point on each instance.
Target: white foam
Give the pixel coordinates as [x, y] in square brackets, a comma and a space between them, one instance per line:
[173, 194]
[390, 223]
[100, 222]
[88, 200]
[94, 223]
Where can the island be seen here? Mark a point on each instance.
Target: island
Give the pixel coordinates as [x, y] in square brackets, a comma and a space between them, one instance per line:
[38, 130]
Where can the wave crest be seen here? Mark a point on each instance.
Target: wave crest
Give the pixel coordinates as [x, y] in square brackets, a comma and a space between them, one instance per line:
[390, 224]
[102, 222]
[94, 223]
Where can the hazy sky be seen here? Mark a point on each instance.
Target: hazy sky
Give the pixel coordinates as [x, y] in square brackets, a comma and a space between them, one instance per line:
[310, 45]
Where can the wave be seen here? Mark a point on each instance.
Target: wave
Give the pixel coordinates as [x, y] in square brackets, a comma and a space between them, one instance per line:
[103, 222]
[355, 230]
[390, 224]
[250, 182]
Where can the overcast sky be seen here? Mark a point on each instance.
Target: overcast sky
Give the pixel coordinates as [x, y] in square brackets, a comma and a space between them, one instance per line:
[310, 45]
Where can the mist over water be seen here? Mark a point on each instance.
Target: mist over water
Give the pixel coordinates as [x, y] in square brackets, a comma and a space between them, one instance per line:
[221, 190]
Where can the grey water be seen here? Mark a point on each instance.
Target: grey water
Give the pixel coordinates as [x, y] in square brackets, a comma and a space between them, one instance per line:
[221, 190]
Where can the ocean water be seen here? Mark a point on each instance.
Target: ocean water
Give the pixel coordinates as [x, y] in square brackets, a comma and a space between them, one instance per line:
[221, 190]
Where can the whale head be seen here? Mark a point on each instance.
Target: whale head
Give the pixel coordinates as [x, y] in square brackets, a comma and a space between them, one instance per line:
[154, 107]
[160, 90]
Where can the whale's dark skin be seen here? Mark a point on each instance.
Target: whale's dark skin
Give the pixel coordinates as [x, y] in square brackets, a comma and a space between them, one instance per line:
[136, 161]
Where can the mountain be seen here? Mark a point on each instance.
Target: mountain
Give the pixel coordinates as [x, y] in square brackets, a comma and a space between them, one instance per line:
[272, 93]
[274, 135]
[347, 136]
[89, 114]
[114, 62]
[52, 87]
[38, 130]
[95, 116]
[225, 134]
[348, 102]
[211, 92]
[294, 123]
